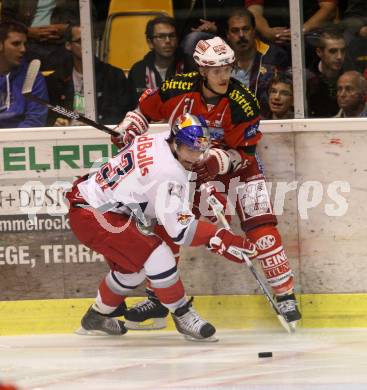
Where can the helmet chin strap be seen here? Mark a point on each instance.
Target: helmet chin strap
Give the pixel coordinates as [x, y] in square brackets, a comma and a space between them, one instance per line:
[174, 150]
[206, 85]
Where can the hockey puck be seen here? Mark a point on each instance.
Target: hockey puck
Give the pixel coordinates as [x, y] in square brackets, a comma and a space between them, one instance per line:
[265, 354]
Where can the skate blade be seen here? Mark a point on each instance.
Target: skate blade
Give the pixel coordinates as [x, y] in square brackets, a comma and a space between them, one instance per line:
[84, 332]
[285, 324]
[151, 324]
[293, 326]
[211, 339]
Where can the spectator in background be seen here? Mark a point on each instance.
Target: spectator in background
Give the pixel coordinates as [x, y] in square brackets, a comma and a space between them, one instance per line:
[65, 85]
[255, 60]
[201, 19]
[203, 15]
[354, 22]
[100, 15]
[46, 21]
[321, 83]
[351, 95]
[354, 19]
[15, 110]
[356, 58]
[273, 19]
[164, 59]
[363, 31]
[280, 97]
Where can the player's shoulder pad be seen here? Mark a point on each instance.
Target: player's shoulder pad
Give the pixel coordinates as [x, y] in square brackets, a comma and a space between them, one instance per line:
[179, 84]
[244, 104]
[148, 92]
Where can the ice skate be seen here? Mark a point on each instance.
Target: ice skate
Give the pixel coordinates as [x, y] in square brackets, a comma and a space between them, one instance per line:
[189, 323]
[147, 315]
[97, 324]
[288, 307]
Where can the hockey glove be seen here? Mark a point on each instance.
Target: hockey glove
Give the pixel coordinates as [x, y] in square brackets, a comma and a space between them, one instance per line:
[207, 195]
[217, 203]
[238, 160]
[217, 162]
[222, 242]
[134, 124]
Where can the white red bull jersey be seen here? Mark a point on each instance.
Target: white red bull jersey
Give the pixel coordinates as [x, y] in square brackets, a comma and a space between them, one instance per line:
[146, 180]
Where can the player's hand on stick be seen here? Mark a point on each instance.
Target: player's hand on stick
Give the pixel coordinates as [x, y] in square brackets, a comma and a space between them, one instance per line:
[222, 242]
[207, 194]
[217, 203]
[134, 124]
[62, 122]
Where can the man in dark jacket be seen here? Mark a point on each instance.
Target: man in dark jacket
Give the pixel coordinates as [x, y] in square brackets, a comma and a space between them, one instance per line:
[66, 89]
[15, 110]
[46, 23]
[163, 61]
[322, 81]
[273, 17]
[256, 61]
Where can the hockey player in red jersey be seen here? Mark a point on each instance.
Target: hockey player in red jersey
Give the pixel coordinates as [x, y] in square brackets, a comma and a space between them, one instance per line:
[232, 114]
[120, 210]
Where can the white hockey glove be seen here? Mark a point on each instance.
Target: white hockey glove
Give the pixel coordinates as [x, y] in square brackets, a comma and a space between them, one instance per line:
[134, 124]
[217, 203]
[237, 161]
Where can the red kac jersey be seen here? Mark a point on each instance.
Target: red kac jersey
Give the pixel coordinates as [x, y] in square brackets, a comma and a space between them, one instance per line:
[233, 121]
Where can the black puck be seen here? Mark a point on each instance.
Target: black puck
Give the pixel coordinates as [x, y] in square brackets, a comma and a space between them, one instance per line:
[265, 354]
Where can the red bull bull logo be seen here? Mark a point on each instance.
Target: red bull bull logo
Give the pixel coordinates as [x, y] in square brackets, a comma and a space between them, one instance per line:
[201, 143]
[184, 219]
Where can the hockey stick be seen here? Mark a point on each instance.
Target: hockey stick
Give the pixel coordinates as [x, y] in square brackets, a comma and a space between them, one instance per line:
[218, 210]
[30, 78]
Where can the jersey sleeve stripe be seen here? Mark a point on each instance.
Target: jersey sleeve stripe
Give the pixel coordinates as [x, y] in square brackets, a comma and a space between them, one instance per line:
[186, 236]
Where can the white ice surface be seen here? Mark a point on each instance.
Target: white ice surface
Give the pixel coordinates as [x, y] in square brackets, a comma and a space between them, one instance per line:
[308, 360]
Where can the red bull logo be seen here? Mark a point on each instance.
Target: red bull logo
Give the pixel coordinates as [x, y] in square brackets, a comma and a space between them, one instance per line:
[202, 47]
[201, 143]
[184, 219]
[220, 49]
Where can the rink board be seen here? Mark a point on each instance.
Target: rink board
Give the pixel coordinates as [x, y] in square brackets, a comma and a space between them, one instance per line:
[225, 312]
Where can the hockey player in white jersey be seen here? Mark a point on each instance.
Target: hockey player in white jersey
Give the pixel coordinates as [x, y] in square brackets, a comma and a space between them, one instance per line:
[121, 212]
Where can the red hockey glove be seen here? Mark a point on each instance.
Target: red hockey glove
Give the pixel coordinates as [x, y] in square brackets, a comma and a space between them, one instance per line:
[217, 162]
[133, 124]
[222, 242]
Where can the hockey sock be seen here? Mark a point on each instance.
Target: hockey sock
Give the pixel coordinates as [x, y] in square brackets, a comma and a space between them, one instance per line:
[273, 258]
[107, 301]
[173, 296]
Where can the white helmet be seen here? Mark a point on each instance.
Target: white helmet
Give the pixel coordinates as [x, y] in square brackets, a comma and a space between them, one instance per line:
[213, 52]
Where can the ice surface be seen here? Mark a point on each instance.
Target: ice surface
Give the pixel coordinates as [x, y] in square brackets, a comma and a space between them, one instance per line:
[309, 360]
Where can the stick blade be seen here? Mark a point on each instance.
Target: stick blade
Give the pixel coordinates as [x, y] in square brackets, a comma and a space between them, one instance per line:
[30, 78]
